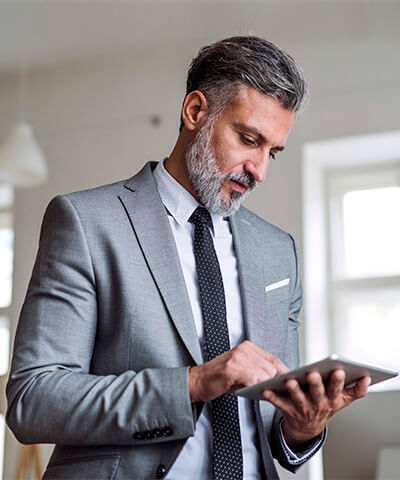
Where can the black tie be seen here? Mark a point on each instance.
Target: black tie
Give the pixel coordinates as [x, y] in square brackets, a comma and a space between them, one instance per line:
[227, 447]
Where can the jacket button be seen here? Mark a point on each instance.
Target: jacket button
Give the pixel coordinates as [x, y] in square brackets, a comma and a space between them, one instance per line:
[148, 435]
[157, 432]
[166, 431]
[161, 471]
[139, 436]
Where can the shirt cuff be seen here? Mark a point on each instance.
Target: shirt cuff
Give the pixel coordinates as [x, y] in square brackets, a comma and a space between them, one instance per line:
[300, 457]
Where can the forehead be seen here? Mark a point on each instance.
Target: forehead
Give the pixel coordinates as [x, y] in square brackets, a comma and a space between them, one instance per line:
[261, 112]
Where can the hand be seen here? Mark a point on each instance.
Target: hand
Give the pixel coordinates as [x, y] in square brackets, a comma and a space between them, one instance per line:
[306, 414]
[242, 366]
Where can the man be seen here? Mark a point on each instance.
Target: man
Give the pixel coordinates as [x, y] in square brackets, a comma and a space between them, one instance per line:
[148, 304]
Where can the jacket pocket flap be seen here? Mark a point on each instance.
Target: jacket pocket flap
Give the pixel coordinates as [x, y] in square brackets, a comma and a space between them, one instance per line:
[99, 467]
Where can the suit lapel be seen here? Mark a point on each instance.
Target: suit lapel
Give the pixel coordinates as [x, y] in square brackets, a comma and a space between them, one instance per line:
[254, 264]
[151, 226]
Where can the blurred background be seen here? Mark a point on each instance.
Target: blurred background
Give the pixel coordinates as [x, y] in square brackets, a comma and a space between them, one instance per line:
[100, 85]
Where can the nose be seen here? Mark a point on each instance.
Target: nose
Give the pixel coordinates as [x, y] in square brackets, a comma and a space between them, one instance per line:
[258, 165]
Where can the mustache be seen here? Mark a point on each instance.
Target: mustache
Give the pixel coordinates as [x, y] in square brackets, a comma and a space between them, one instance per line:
[247, 178]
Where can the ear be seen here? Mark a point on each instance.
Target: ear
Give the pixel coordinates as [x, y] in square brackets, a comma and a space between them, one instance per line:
[194, 110]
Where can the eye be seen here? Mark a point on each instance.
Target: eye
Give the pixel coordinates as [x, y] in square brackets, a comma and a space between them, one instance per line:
[272, 155]
[248, 140]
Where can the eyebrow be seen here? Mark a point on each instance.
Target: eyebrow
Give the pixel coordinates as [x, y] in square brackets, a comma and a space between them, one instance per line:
[255, 132]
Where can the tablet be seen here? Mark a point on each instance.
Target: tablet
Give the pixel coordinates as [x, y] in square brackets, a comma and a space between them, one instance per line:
[354, 371]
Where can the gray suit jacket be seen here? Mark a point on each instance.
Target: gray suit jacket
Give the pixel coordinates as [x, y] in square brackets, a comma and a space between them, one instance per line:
[106, 334]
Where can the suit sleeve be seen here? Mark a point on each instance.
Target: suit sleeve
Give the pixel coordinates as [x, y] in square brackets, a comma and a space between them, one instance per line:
[52, 396]
[279, 449]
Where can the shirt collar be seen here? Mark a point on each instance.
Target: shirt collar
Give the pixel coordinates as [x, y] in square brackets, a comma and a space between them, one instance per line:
[178, 201]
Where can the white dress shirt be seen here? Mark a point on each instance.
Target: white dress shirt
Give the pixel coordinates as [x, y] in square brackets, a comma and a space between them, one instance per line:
[195, 459]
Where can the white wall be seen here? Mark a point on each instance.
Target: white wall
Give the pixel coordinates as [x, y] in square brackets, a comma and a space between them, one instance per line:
[92, 119]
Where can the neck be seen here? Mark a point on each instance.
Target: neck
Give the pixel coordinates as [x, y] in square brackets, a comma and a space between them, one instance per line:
[176, 165]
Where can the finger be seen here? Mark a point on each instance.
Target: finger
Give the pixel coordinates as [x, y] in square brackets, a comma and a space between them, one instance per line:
[316, 387]
[335, 385]
[245, 365]
[359, 390]
[361, 387]
[263, 359]
[278, 364]
[296, 394]
[282, 403]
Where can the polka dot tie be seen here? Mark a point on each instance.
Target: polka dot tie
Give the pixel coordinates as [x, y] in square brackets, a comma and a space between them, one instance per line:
[227, 447]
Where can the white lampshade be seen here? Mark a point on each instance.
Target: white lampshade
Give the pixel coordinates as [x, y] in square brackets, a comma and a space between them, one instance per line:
[21, 160]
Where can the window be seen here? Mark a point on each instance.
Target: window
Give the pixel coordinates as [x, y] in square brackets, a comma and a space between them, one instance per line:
[4, 344]
[324, 264]
[6, 258]
[6, 271]
[364, 265]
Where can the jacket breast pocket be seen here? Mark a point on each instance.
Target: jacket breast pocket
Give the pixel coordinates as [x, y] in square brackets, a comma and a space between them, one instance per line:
[278, 295]
[99, 467]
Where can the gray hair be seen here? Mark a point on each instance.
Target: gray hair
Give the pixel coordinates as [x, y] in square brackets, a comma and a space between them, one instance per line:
[222, 67]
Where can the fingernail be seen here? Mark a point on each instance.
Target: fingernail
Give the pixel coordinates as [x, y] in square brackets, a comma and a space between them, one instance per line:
[267, 394]
[340, 375]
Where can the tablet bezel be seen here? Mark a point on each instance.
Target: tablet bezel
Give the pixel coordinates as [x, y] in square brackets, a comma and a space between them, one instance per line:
[354, 371]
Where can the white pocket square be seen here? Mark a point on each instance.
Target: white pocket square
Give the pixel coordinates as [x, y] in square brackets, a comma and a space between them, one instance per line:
[275, 285]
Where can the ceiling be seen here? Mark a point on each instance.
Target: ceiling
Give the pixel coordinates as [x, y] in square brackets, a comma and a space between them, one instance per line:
[54, 31]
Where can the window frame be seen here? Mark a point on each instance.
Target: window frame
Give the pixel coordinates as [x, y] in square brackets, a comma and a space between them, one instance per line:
[317, 158]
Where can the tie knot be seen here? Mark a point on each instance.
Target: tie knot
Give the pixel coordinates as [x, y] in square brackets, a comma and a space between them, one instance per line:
[200, 217]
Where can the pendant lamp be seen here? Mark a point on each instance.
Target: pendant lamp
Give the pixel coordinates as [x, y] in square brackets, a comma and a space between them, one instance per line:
[22, 162]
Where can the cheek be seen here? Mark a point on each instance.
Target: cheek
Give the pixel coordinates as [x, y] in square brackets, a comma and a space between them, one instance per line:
[228, 156]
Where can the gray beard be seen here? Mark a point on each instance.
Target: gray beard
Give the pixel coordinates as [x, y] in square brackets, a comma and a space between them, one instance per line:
[206, 177]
